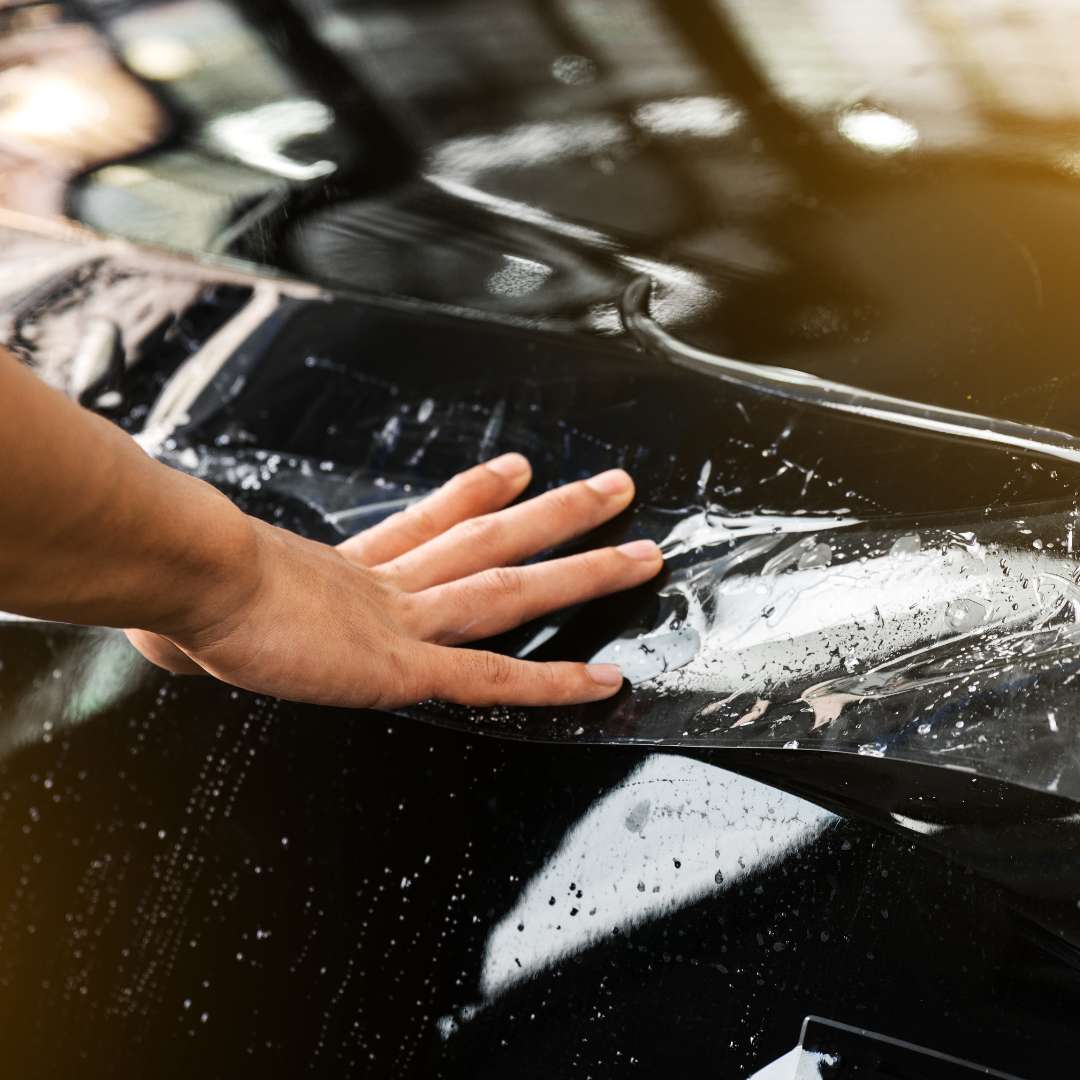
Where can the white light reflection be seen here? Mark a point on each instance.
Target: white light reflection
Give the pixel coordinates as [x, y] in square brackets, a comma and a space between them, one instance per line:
[783, 1068]
[518, 277]
[703, 117]
[707, 528]
[96, 669]
[573, 70]
[519, 211]
[526, 146]
[43, 105]
[806, 609]
[674, 831]
[258, 136]
[797, 1064]
[679, 295]
[161, 59]
[875, 130]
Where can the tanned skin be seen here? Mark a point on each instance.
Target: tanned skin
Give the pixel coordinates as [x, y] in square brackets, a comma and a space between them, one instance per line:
[94, 531]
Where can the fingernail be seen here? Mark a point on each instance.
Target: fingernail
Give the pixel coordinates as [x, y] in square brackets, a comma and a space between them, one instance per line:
[605, 674]
[612, 482]
[645, 550]
[509, 465]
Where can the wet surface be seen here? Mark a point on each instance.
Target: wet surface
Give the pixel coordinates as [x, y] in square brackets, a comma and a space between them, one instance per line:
[947, 635]
[861, 659]
[199, 879]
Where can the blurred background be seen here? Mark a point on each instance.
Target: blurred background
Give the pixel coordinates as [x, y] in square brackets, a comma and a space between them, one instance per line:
[884, 192]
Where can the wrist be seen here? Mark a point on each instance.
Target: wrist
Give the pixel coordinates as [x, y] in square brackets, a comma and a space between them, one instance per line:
[217, 568]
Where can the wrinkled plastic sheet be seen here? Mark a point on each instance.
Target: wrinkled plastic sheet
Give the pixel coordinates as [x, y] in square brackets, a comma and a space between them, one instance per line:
[941, 641]
[936, 639]
[839, 620]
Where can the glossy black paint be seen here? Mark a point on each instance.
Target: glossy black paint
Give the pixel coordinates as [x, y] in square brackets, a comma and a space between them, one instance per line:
[946, 279]
[943, 275]
[336, 374]
[287, 833]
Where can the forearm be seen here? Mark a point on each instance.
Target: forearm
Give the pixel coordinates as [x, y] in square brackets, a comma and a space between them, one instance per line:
[94, 531]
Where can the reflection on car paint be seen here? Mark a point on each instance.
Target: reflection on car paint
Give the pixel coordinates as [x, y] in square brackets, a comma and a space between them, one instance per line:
[95, 670]
[66, 105]
[285, 888]
[827, 1049]
[670, 834]
[808, 389]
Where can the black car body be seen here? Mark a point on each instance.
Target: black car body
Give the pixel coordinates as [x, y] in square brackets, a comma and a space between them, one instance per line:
[840, 784]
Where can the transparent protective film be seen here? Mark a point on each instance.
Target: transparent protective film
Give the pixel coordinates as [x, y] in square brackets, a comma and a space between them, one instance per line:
[945, 640]
[834, 581]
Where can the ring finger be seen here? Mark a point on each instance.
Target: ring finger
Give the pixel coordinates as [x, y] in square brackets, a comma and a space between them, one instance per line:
[480, 490]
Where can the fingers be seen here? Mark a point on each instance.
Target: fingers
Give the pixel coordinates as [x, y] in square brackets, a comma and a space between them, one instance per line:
[496, 600]
[512, 535]
[471, 677]
[480, 490]
[164, 653]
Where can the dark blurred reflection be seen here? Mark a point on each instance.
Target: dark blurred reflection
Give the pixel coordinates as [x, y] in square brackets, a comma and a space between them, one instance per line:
[882, 193]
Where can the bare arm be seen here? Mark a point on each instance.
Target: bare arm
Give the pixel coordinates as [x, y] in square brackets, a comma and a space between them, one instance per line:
[94, 531]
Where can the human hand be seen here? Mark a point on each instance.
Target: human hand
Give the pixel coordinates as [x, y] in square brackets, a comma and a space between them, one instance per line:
[367, 623]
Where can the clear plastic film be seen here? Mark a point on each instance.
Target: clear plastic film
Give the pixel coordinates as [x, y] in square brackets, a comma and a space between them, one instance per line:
[940, 640]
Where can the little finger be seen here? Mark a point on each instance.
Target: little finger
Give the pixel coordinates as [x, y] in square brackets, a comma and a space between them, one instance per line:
[480, 490]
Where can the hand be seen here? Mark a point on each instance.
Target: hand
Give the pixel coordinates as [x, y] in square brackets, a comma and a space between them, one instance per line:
[369, 622]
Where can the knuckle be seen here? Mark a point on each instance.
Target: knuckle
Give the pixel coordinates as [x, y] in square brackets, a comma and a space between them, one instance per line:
[603, 564]
[498, 671]
[402, 682]
[482, 532]
[418, 520]
[470, 485]
[409, 612]
[568, 497]
[575, 501]
[501, 584]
